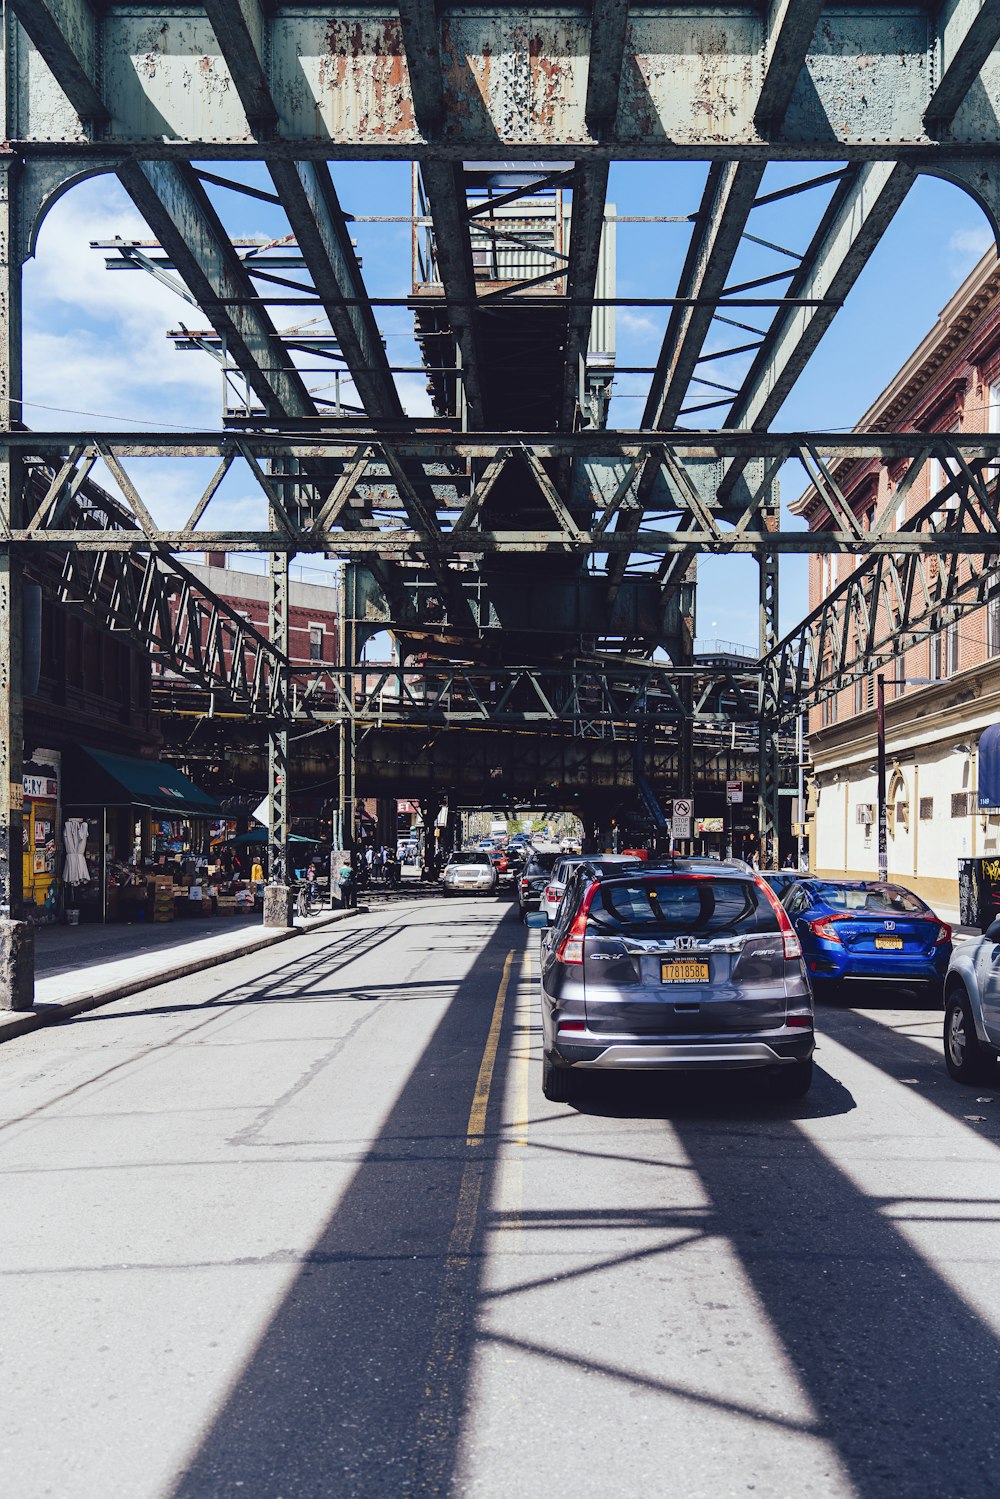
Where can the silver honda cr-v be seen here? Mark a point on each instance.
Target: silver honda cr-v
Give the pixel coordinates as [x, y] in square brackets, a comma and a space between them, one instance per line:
[674, 967]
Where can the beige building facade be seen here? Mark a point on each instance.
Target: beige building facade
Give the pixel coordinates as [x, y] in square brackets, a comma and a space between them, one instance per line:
[950, 694]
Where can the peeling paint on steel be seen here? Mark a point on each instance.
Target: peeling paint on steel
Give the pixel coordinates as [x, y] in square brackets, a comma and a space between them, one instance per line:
[342, 76]
[514, 76]
[165, 78]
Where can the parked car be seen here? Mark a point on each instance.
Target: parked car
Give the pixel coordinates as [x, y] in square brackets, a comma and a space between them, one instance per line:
[498, 859]
[780, 880]
[565, 867]
[673, 969]
[972, 1007]
[867, 931]
[471, 871]
[532, 880]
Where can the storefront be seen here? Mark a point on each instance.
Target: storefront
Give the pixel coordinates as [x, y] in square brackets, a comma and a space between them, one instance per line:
[142, 831]
[40, 842]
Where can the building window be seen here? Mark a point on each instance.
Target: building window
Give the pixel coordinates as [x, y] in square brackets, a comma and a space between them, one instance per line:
[944, 651]
[993, 624]
[315, 642]
[926, 808]
[960, 803]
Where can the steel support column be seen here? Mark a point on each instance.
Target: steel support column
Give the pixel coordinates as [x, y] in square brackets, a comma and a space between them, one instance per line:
[346, 746]
[17, 977]
[769, 768]
[277, 738]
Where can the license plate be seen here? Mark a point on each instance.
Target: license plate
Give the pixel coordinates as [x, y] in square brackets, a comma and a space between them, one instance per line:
[895, 943]
[687, 972]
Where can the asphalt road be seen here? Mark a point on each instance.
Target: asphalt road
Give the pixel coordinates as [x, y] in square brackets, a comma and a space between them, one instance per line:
[303, 1227]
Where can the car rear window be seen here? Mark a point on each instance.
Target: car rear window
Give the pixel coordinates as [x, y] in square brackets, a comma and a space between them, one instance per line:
[465, 858]
[694, 906]
[541, 864]
[876, 900]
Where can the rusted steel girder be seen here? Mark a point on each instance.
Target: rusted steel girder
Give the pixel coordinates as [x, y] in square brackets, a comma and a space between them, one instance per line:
[514, 80]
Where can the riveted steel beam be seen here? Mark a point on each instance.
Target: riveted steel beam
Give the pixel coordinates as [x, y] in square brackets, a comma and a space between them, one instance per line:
[240, 28]
[791, 25]
[504, 82]
[429, 446]
[65, 33]
[968, 31]
[177, 209]
[722, 215]
[446, 198]
[590, 185]
[313, 210]
[858, 215]
[856, 219]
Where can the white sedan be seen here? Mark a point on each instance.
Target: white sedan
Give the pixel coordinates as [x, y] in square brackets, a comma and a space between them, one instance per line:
[472, 871]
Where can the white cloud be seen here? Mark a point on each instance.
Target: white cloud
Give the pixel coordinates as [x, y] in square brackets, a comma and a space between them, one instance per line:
[95, 340]
[967, 246]
[638, 325]
[413, 394]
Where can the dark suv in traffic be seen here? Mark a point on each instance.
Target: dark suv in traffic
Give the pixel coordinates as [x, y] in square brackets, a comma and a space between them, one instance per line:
[673, 967]
[532, 880]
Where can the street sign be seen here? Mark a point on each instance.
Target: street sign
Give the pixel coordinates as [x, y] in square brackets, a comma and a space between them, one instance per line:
[259, 814]
[681, 820]
[734, 792]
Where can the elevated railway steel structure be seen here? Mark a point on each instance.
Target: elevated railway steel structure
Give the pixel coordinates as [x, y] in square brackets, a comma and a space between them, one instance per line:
[452, 520]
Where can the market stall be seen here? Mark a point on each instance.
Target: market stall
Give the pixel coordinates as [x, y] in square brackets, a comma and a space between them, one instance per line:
[137, 840]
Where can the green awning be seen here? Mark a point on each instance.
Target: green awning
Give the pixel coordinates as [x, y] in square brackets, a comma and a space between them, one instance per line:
[98, 778]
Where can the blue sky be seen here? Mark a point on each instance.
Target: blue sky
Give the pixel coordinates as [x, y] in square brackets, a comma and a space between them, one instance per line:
[96, 351]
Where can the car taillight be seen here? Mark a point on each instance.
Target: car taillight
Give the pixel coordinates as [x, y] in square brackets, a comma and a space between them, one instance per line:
[799, 1022]
[551, 893]
[571, 1025]
[791, 943]
[943, 934]
[824, 928]
[570, 949]
[525, 884]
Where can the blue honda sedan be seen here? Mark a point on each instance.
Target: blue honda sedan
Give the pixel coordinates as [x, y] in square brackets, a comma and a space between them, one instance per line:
[867, 932]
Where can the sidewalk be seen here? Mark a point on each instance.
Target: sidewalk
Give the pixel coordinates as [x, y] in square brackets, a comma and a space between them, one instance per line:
[80, 968]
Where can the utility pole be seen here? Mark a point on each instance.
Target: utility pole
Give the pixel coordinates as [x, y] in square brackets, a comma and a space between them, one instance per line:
[17, 937]
[883, 824]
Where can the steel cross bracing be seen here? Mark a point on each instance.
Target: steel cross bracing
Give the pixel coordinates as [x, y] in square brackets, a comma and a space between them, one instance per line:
[354, 497]
[894, 599]
[871, 96]
[196, 639]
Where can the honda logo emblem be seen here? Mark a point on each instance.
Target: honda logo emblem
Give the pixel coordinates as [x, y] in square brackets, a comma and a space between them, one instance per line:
[683, 944]
[890, 926]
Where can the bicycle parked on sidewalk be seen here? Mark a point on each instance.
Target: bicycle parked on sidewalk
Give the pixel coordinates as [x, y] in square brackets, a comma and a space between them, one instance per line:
[306, 899]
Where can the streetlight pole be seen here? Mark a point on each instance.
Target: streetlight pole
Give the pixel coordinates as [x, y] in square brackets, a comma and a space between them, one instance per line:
[883, 825]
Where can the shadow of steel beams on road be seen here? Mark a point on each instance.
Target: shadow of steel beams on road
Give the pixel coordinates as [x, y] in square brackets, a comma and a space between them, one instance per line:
[358, 1385]
[899, 1370]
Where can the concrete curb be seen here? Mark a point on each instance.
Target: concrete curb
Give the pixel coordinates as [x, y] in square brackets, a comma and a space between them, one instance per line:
[20, 1022]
